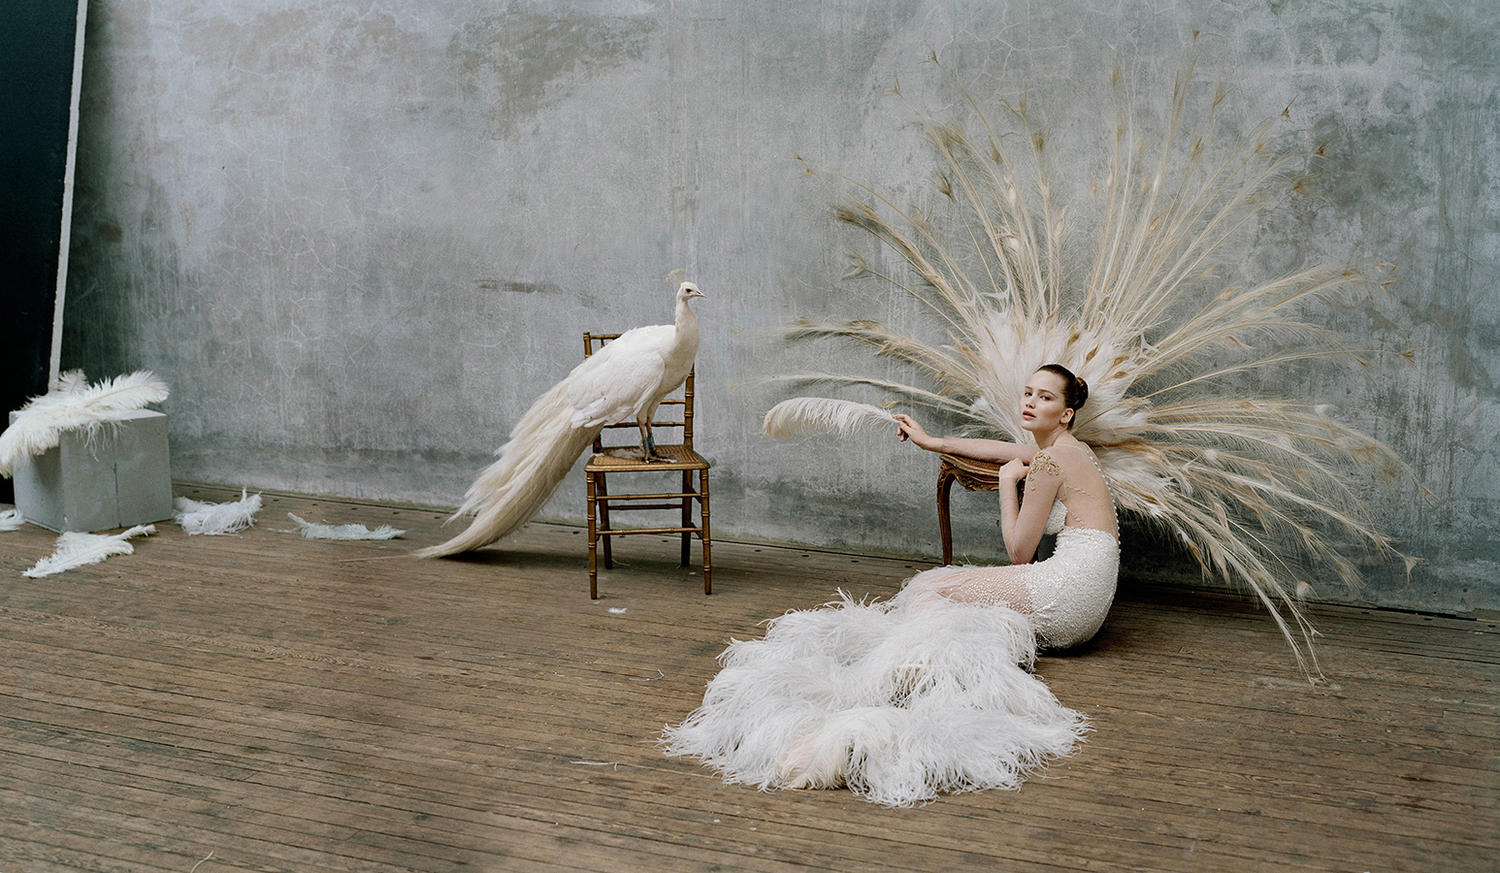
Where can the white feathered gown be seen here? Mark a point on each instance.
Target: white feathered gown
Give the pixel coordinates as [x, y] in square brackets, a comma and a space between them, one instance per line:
[899, 701]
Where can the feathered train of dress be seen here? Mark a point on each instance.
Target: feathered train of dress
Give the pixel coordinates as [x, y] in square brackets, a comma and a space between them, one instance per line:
[899, 701]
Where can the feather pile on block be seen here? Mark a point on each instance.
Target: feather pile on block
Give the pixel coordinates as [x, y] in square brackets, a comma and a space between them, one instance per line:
[315, 531]
[1251, 486]
[216, 519]
[73, 404]
[76, 549]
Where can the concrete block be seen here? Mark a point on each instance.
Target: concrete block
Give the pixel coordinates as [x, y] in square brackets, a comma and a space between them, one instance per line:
[118, 478]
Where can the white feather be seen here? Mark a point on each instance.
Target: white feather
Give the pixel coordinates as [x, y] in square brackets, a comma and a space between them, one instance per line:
[315, 531]
[804, 415]
[624, 381]
[76, 549]
[42, 421]
[214, 519]
[900, 703]
[68, 382]
[11, 519]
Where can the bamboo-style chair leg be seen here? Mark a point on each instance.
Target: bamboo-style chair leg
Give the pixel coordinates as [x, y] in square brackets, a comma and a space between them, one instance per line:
[945, 529]
[609, 554]
[687, 515]
[593, 542]
[708, 587]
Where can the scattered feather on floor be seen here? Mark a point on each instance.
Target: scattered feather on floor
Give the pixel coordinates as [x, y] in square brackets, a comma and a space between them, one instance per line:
[74, 549]
[314, 531]
[213, 519]
[617, 610]
[11, 519]
[73, 404]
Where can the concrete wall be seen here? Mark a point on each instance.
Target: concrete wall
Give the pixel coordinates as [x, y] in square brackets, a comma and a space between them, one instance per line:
[359, 238]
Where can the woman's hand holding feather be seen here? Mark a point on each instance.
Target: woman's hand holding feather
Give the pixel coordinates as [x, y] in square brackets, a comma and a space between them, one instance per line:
[908, 429]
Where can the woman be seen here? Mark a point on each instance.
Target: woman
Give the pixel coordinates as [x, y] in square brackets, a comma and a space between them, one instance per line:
[1069, 594]
[930, 691]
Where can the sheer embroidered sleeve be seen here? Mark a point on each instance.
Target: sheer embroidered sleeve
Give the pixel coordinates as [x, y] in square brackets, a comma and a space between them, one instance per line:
[1042, 462]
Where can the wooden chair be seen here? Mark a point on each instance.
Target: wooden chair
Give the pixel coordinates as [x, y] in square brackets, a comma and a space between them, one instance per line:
[609, 460]
[974, 475]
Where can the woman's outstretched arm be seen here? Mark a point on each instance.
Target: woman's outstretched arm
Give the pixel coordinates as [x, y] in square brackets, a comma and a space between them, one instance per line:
[984, 450]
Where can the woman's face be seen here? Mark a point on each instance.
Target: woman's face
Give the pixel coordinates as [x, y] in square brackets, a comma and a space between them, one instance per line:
[1042, 404]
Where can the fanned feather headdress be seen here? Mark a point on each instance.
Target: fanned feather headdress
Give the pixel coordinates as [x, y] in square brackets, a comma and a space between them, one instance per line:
[1254, 488]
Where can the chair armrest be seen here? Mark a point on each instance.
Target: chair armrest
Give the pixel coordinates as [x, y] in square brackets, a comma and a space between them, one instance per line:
[972, 473]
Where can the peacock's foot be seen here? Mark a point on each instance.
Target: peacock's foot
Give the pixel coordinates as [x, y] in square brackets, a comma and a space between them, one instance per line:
[649, 454]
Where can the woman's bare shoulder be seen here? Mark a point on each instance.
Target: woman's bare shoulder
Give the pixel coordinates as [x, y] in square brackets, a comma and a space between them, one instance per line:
[1073, 451]
[1076, 458]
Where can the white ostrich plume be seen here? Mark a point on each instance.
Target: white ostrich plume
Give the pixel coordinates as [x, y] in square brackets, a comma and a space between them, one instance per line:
[805, 415]
[75, 549]
[314, 531]
[1257, 489]
[72, 404]
[216, 519]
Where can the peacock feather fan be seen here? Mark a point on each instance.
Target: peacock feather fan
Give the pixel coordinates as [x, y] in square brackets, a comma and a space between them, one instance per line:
[1256, 489]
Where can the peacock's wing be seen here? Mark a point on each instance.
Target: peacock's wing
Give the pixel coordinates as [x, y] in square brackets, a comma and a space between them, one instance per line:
[621, 379]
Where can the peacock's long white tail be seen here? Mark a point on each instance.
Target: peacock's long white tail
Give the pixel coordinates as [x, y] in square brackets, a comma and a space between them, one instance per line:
[542, 448]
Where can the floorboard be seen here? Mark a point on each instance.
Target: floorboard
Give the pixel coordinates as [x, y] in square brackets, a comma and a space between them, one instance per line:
[295, 705]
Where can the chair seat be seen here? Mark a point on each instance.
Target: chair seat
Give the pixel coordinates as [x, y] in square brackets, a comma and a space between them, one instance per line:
[628, 460]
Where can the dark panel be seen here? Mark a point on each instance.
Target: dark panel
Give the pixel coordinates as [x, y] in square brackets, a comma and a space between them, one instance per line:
[36, 75]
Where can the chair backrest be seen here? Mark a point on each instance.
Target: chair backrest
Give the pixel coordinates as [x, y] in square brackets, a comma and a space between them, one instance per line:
[681, 400]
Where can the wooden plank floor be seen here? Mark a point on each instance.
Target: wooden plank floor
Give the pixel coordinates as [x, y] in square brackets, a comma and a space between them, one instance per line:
[289, 705]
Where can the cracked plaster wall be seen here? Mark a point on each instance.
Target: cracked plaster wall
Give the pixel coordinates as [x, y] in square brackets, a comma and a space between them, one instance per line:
[358, 239]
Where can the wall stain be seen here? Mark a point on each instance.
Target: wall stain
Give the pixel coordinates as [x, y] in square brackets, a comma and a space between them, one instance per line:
[511, 66]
